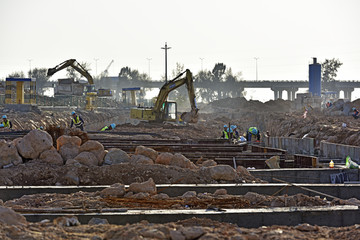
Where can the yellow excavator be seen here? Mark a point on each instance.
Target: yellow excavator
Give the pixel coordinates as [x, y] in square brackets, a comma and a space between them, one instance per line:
[90, 91]
[164, 110]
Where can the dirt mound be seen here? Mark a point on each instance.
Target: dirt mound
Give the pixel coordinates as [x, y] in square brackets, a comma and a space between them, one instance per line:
[96, 201]
[35, 173]
[242, 104]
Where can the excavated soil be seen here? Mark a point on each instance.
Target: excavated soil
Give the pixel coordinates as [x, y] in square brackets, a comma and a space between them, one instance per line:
[193, 228]
[35, 173]
[92, 201]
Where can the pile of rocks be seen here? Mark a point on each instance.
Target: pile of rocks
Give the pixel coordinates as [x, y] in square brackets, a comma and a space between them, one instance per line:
[75, 161]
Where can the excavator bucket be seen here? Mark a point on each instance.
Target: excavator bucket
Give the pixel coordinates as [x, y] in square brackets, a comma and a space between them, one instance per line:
[190, 117]
[51, 71]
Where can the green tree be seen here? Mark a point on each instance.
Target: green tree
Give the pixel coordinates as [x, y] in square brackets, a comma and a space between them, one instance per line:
[179, 94]
[204, 79]
[329, 69]
[19, 74]
[40, 74]
[231, 83]
[72, 73]
[218, 72]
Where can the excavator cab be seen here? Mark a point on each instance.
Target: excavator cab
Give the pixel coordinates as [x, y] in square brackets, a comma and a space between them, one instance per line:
[90, 89]
[170, 111]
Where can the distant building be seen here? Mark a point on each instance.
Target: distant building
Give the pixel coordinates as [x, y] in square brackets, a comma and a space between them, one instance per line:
[68, 86]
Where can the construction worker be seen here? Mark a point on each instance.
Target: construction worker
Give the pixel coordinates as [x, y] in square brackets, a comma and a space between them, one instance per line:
[6, 123]
[111, 126]
[356, 113]
[235, 133]
[225, 133]
[252, 133]
[77, 120]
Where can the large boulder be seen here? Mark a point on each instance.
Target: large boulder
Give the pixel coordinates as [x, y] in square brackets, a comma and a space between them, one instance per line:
[115, 190]
[116, 156]
[164, 158]
[140, 159]
[181, 161]
[148, 152]
[34, 143]
[51, 156]
[10, 217]
[69, 151]
[65, 139]
[87, 158]
[95, 148]
[222, 172]
[147, 187]
[209, 163]
[9, 154]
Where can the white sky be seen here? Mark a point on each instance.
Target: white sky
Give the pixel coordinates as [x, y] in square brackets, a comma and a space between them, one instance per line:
[284, 34]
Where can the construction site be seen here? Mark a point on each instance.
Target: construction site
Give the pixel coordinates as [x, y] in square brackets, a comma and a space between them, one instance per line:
[161, 173]
[179, 120]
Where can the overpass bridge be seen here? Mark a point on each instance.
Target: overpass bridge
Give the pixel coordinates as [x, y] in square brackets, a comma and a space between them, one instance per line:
[277, 86]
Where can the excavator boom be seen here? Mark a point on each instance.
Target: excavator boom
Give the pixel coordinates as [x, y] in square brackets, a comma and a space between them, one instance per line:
[74, 64]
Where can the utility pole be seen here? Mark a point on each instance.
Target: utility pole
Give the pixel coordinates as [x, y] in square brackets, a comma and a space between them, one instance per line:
[149, 59]
[202, 59]
[166, 48]
[96, 60]
[30, 66]
[256, 58]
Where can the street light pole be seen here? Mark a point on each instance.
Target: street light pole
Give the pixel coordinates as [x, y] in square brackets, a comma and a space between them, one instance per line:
[149, 59]
[202, 59]
[166, 48]
[30, 65]
[96, 60]
[256, 58]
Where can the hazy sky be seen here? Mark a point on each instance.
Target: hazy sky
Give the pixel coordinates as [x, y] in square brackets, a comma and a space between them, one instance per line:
[284, 34]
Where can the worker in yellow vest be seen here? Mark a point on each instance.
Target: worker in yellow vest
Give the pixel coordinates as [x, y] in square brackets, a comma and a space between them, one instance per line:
[110, 127]
[5, 123]
[77, 121]
[225, 133]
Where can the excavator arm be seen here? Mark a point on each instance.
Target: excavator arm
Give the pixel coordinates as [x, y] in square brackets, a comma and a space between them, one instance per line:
[171, 86]
[74, 64]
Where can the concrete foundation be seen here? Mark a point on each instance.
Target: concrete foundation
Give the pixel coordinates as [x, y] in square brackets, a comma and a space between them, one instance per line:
[292, 145]
[251, 218]
[332, 150]
[304, 175]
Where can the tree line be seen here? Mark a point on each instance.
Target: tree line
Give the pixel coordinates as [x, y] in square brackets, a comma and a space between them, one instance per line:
[216, 83]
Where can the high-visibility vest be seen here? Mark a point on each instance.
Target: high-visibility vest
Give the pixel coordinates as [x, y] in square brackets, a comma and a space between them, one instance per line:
[105, 128]
[226, 135]
[77, 121]
[6, 124]
[251, 129]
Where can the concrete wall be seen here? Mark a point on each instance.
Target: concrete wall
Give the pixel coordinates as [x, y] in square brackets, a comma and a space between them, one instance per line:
[292, 145]
[332, 150]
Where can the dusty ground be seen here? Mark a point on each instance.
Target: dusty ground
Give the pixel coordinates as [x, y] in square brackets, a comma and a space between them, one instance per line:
[194, 228]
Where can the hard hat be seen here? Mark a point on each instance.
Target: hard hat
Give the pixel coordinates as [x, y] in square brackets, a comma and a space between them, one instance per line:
[41, 128]
[225, 126]
[73, 112]
[235, 126]
[231, 127]
[352, 109]
[113, 125]
[254, 131]
[4, 116]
